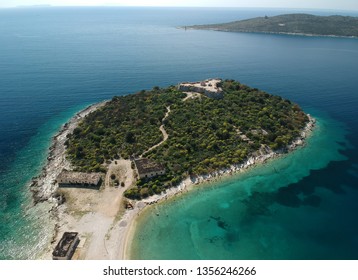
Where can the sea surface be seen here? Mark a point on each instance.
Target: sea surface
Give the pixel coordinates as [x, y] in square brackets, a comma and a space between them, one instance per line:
[56, 61]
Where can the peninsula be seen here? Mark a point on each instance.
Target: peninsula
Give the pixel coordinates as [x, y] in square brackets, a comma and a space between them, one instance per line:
[296, 24]
[116, 157]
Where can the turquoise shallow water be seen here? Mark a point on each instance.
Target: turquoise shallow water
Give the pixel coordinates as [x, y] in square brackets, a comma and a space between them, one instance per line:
[267, 212]
[55, 61]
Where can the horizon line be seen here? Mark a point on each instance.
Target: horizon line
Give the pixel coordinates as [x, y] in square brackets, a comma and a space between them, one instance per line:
[143, 6]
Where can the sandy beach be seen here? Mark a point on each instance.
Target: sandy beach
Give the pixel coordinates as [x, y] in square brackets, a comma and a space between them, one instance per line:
[100, 217]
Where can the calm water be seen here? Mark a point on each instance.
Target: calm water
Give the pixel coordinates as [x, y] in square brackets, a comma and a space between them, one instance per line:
[53, 62]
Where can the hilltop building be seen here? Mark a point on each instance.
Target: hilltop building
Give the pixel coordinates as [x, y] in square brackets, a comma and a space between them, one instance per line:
[210, 88]
[148, 169]
[66, 247]
[71, 179]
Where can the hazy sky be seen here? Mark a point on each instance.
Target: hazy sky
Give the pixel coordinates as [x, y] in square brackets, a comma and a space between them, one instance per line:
[309, 4]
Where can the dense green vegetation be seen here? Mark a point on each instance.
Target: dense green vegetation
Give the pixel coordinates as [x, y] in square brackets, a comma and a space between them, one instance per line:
[292, 23]
[204, 134]
[125, 126]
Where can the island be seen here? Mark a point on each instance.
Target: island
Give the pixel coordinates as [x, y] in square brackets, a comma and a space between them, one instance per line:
[295, 24]
[183, 131]
[116, 157]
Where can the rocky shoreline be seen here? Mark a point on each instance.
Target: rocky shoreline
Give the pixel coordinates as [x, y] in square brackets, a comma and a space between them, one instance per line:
[43, 186]
[261, 156]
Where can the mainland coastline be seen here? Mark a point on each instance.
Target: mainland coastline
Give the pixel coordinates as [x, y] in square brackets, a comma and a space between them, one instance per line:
[108, 228]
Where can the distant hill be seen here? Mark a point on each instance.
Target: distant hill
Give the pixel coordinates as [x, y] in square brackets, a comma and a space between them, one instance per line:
[303, 24]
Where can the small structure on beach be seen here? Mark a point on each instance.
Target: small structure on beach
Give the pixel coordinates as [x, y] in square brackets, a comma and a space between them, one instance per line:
[129, 205]
[211, 88]
[69, 179]
[66, 247]
[147, 168]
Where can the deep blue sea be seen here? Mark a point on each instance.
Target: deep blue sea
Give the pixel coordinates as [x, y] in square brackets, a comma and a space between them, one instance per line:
[56, 61]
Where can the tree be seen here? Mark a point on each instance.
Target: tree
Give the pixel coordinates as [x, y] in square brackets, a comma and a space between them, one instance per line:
[130, 137]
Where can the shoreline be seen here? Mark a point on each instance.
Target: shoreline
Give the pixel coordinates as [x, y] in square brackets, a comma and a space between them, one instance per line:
[107, 233]
[42, 187]
[272, 33]
[188, 183]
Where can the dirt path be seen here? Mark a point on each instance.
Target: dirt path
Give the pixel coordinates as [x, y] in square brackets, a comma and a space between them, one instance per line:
[165, 134]
[189, 95]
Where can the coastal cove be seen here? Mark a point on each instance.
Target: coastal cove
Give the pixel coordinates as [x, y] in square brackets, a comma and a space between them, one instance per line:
[316, 189]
